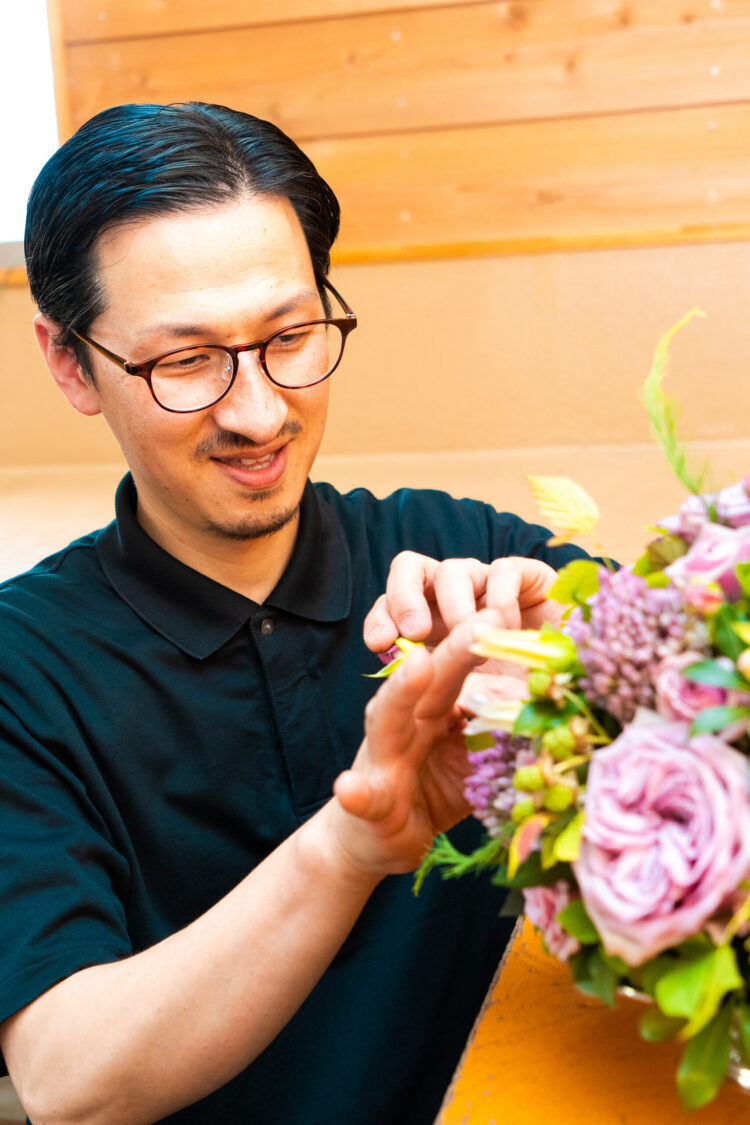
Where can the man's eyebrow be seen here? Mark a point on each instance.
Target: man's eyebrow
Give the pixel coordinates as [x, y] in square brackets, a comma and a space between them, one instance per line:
[187, 330]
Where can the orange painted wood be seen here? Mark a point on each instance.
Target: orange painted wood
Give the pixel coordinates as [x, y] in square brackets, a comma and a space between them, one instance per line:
[477, 64]
[542, 1052]
[87, 20]
[630, 179]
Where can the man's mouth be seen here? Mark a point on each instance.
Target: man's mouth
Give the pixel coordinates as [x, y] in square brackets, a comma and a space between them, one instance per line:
[264, 471]
[251, 462]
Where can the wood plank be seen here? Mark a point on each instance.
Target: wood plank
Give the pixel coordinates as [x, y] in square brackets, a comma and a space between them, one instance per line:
[433, 68]
[539, 1044]
[91, 20]
[625, 180]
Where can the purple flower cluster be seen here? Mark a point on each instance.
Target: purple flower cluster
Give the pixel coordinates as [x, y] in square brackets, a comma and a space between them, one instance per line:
[488, 788]
[632, 628]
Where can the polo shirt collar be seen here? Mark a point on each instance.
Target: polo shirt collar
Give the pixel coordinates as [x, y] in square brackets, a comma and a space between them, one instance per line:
[198, 614]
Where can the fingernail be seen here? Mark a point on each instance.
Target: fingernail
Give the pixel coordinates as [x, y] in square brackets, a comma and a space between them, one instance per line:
[408, 623]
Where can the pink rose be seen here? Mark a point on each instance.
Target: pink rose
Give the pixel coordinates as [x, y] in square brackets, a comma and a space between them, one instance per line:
[713, 557]
[692, 516]
[666, 838]
[678, 698]
[732, 507]
[542, 905]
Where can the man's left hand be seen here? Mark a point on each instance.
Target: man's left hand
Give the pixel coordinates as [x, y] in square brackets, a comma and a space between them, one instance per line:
[424, 599]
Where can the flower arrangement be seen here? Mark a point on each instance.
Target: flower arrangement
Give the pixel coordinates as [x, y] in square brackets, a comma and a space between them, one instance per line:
[616, 798]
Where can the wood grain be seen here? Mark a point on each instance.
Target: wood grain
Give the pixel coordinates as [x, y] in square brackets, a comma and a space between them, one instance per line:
[90, 20]
[432, 68]
[540, 1044]
[629, 180]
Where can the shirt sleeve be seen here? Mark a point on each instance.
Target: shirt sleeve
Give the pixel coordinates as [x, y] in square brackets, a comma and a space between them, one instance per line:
[63, 884]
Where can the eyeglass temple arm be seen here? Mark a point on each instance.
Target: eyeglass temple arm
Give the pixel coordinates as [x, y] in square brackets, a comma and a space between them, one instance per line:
[347, 309]
[103, 351]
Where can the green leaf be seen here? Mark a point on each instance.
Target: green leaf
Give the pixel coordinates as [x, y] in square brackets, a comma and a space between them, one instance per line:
[481, 741]
[604, 979]
[642, 566]
[724, 636]
[576, 922]
[651, 973]
[695, 988]
[576, 582]
[664, 551]
[568, 843]
[742, 570]
[662, 411]
[580, 971]
[716, 718]
[657, 580]
[742, 1023]
[655, 1027]
[540, 715]
[529, 874]
[715, 675]
[549, 859]
[705, 1060]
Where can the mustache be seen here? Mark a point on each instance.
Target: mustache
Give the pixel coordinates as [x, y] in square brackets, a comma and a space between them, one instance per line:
[226, 441]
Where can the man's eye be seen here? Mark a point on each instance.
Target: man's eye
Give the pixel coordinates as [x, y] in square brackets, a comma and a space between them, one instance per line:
[182, 363]
[290, 339]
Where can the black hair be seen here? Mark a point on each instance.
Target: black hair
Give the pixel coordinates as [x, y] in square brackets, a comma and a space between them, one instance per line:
[133, 162]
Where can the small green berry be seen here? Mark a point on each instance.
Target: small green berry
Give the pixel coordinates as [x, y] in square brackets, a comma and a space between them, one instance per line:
[528, 779]
[560, 742]
[558, 798]
[539, 683]
[522, 810]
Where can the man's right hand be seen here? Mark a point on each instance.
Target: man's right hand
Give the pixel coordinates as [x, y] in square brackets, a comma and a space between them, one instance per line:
[407, 780]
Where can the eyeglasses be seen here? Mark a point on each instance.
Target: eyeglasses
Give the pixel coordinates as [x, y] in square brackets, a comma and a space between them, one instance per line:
[190, 379]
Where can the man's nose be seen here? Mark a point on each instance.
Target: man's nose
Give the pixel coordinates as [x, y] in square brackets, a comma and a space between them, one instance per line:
[254, 406]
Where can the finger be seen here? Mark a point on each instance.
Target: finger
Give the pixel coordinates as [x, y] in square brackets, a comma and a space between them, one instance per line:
[407, 590]
[516, 584]
[460, 586]
[379, 630]
[479, 688]
[389, 716]
[452, 661]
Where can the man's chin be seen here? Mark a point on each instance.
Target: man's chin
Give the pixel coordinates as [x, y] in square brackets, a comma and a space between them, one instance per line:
[254, 526]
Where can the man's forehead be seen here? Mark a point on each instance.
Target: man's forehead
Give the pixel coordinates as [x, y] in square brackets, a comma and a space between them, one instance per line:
[181, 268]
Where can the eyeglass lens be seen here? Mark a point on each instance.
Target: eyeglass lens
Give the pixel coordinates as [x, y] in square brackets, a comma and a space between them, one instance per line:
[192, 378]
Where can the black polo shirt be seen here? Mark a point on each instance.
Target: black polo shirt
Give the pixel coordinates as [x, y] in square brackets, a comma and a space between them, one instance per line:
[160, 734]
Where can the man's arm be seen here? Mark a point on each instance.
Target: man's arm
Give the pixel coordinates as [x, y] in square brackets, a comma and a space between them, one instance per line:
[133, 1041]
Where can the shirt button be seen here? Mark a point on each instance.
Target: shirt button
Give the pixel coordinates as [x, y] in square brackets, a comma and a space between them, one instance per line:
[267, 626]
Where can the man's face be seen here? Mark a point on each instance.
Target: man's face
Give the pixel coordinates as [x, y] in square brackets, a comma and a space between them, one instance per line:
[227, 274]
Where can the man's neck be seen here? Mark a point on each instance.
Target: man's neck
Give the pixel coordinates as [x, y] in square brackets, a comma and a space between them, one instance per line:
[251, 567]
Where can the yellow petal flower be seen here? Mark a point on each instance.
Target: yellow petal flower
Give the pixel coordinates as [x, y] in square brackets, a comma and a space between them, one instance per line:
[528, 647]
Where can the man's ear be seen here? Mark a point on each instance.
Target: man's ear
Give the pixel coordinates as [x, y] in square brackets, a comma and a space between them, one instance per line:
[62, 362]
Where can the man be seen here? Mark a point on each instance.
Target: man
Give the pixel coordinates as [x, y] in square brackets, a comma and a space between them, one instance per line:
[193, 928]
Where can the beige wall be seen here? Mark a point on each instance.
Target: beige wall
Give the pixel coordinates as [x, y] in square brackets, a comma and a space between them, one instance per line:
[464, 375]
[466, 354]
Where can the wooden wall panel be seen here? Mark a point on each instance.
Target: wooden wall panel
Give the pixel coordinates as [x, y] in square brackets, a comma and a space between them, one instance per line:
[471, 126]
[429, 68]
[636, 179]
[90, 20]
